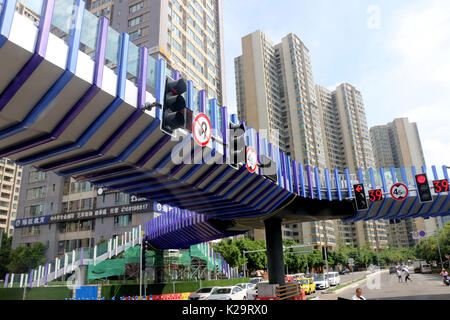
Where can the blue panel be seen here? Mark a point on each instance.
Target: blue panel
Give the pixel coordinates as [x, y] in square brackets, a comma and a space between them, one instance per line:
[289, 173]
[160, 84]
[250, 138]
[317, 178]
[327, 182]
[122, 66]
[295, 175]
[282, 162]
[301, 178]
[372, 179]
[394, 177]
[360, 176]
[214, 116]
[6, 19]
[383, 179]
[338, 184]
[349, 183]
[190, 94]
[404, 176]
[75, 36]
[234, 119]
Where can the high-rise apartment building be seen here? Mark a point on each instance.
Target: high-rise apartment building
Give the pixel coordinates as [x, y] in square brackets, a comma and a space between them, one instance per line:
[187, 34]
[326, 129]
[10, 179]
[398, 144]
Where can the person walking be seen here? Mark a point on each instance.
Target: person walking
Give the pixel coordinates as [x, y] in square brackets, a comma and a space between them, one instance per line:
[399, 275]
[406, 271]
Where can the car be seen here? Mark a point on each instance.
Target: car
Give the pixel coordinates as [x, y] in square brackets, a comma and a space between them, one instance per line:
[425, 268]
[256, 280]
[308, 285]
[201, 294]
[322, 282]
[228, 293]
[247, 287]
[253, 292]
[334, 279]
[344, 272]
[392, 270]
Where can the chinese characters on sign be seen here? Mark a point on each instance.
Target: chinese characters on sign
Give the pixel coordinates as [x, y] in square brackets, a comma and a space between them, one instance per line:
[88, 214]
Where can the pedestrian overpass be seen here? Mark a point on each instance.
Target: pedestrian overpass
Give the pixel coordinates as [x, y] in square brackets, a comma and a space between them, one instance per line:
[73, 96]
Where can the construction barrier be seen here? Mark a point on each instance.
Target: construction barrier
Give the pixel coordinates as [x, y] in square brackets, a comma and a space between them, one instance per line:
[170, 296]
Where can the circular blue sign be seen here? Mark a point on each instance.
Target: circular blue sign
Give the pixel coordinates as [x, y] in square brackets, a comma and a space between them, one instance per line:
[422, 234]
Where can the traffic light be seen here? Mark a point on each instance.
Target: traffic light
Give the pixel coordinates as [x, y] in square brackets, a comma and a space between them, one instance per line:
[360, 197]
[237, 144]
[423, 188]
[145, 247]
[175, 113]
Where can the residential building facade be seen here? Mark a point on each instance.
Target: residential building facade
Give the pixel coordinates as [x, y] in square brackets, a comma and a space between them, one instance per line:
[10, 180]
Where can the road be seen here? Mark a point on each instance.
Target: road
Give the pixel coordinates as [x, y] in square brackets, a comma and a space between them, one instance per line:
[382, 286]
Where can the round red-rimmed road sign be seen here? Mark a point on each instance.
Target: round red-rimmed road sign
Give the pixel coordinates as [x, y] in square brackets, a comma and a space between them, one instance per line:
[202, 129]
[251, 159]
[399, 191]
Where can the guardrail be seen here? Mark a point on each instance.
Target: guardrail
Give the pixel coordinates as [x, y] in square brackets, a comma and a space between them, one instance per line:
[292, 291]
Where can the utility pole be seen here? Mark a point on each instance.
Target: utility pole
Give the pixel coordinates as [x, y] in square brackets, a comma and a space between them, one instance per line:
[245, 265]
[326, 244]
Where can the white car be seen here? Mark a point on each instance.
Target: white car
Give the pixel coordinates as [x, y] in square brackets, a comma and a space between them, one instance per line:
[322, 282]
[253, 293]
[202, 293]
[334, 279]
[247, 287]
[228, 293]
[256, 280]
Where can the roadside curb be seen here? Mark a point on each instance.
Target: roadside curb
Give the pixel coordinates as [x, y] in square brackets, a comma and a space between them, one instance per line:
[354, 284]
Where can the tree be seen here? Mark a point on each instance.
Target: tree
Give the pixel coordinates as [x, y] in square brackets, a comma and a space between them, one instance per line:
[23, 259]
[5, 256]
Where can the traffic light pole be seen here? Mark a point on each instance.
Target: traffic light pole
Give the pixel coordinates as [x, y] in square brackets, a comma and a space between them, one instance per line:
[140, 268]
[439, 249]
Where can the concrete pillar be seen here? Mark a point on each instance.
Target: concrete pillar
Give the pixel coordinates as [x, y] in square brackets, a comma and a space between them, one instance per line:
[83, 275]
[274, 245]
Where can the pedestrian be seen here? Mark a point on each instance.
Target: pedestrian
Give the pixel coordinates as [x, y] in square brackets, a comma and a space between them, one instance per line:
[358, 295]
[399, 275]
[406, 271]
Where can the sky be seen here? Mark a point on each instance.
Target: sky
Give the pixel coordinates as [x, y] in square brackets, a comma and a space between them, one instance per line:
[396, 52]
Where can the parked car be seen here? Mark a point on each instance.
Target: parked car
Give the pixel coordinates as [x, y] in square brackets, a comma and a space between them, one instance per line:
[308, 285]
[201, 294]
[343, 272]
[256, 280]
[247, 287]
[425, 268]
[228, 293]
[253, 293]
[334, 279]
[321, 282]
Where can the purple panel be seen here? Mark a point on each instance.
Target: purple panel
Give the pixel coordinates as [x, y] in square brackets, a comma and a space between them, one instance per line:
[295, 173]
[142, 79]
[5, 285]
[225, 131]
[310, 185]
[44, 27]
[176, 75]
[100, 52]
[46, 273]
[283, 169]
[202, 99]
[258, 151]
[81, 257]
[31, 279]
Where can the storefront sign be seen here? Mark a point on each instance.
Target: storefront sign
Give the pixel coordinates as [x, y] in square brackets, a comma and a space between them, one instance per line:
[87, 214]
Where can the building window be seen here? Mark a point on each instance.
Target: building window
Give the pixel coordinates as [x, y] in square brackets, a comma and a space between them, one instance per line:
[136, 7]
[36, 176]
[34, 211]
[135, 21]
[122, 221]
[36, 193]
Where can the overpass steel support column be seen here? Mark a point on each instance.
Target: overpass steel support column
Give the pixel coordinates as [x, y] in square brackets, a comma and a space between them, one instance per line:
[275, 255]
